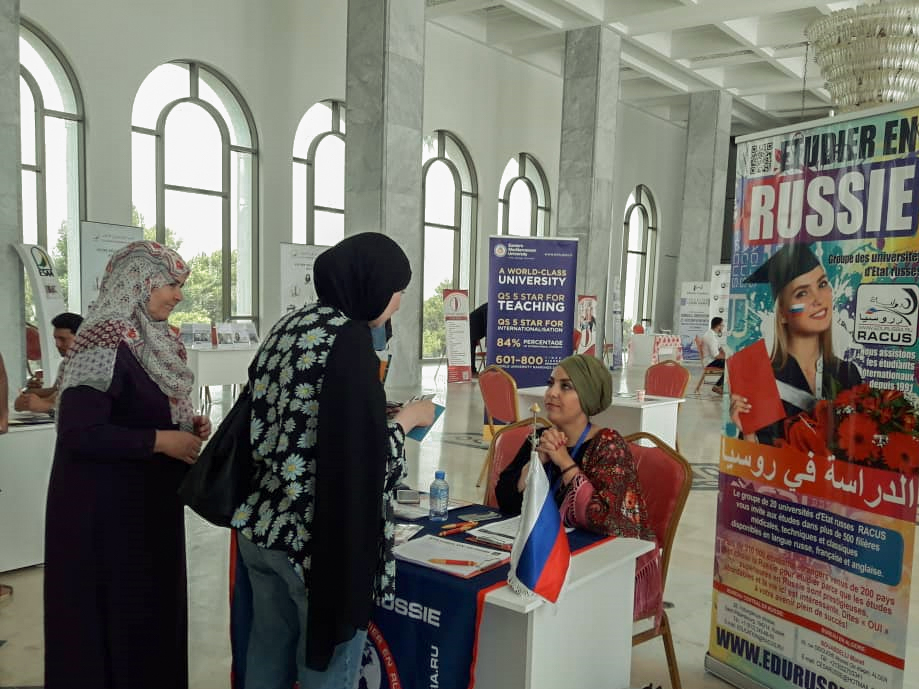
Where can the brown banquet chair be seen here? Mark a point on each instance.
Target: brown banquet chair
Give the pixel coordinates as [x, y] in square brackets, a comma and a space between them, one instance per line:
[666, 478]
[667, 379]
[499, 393]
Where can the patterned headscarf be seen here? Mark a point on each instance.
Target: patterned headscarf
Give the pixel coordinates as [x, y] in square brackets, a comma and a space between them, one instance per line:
[591, 380]
[119, 314]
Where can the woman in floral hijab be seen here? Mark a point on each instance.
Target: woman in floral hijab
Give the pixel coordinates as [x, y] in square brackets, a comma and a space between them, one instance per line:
[315, 533]
[115, 602]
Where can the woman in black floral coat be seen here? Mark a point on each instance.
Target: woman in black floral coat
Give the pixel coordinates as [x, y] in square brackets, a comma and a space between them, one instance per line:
[315, 533]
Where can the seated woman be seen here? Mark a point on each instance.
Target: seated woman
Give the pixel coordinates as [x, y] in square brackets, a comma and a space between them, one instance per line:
[591, 469]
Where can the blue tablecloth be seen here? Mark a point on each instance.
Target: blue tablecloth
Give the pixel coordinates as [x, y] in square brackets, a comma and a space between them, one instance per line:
[426, 638]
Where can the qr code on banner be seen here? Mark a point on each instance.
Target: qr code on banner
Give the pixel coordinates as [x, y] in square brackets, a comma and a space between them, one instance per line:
[761, 158]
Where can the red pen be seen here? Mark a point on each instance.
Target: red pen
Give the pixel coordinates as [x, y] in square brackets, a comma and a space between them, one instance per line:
[458, 529]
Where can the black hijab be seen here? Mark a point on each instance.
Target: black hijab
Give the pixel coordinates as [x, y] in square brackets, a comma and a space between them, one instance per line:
[360, 274]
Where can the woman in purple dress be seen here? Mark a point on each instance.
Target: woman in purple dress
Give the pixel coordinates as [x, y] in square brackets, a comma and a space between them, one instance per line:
[115, 600]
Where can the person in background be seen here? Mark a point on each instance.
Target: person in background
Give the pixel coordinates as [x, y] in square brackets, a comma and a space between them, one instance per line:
[713, 352]
[42, 400]
[478, 328]
[316, 532]
[115, 583]
[591, 468]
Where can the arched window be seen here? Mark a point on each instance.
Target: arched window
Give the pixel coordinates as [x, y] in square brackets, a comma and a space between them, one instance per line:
[450, 195]
[639, 258]
[51, 113]
[195, 181]
[319, 175]
[523, 202]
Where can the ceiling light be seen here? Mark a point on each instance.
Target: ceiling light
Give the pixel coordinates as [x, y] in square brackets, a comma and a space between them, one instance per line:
[869, 55]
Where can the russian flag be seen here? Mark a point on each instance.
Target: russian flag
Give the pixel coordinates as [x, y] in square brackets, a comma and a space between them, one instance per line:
[540, 556]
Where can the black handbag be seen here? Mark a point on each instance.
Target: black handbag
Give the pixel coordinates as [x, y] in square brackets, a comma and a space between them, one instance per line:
[220, 480]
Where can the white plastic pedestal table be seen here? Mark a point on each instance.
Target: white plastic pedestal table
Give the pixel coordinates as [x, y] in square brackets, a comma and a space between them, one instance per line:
[656, 415]
[646, 349]
[216, 366]
[26, 453]
[584, 640]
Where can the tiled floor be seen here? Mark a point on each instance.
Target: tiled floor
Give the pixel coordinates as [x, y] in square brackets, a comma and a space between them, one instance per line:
[453, 446]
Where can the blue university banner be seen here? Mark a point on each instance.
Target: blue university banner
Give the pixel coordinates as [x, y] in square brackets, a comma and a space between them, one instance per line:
[531, 304]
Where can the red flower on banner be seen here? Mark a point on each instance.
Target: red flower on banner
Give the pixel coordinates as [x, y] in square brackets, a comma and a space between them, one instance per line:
[889, 396]
[807, 434]
[901, 453]
[848, 398]
[885, 415]
[856, 436]
[861, 425]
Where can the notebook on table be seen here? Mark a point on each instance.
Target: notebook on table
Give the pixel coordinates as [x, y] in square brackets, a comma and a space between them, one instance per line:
[458, 558]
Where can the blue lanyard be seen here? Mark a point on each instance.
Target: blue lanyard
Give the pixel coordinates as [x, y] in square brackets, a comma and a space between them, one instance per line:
[577, 445]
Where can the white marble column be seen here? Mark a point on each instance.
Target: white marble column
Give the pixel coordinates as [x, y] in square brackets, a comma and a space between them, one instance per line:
[586, 160]
[12, 326]
[708, 141]
[384, 98]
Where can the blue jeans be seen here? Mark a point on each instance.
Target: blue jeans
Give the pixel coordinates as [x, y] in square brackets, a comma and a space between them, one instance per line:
[277, 641]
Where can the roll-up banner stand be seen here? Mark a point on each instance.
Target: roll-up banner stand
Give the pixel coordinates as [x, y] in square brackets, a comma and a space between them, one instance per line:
[49, 302]
[818, 481]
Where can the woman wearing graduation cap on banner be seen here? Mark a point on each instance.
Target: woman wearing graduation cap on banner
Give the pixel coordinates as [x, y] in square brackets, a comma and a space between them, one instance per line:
[805, 367]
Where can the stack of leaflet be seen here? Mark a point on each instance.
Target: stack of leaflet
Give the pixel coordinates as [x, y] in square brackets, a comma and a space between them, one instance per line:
[499, 534]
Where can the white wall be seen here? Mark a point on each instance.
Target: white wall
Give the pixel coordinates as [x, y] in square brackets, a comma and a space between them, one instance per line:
[283, 56]
[651, 151]
[498, 107]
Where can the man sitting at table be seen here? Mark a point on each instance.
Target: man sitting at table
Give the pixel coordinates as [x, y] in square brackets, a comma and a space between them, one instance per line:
[42, 400]
[713, 352]
[591, 469]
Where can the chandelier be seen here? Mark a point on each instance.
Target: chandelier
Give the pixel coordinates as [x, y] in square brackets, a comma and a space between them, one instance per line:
[868, 55]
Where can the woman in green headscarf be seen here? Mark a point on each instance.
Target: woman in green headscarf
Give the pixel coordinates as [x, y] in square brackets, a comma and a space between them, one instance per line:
[591, 468]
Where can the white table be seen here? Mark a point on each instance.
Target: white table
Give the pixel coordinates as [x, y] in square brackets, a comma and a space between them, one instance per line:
[26, 453]
[520, 639]
[656, 415]
[646, 349]
[217, 366]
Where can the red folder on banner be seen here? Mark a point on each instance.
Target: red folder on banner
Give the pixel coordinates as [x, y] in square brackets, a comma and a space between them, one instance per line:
[750, 375]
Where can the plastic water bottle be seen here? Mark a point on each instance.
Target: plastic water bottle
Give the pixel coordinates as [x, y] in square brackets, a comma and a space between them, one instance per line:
[439, 498]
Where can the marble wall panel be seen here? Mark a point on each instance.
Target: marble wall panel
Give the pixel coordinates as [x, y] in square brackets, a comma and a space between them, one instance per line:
[11, 285]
